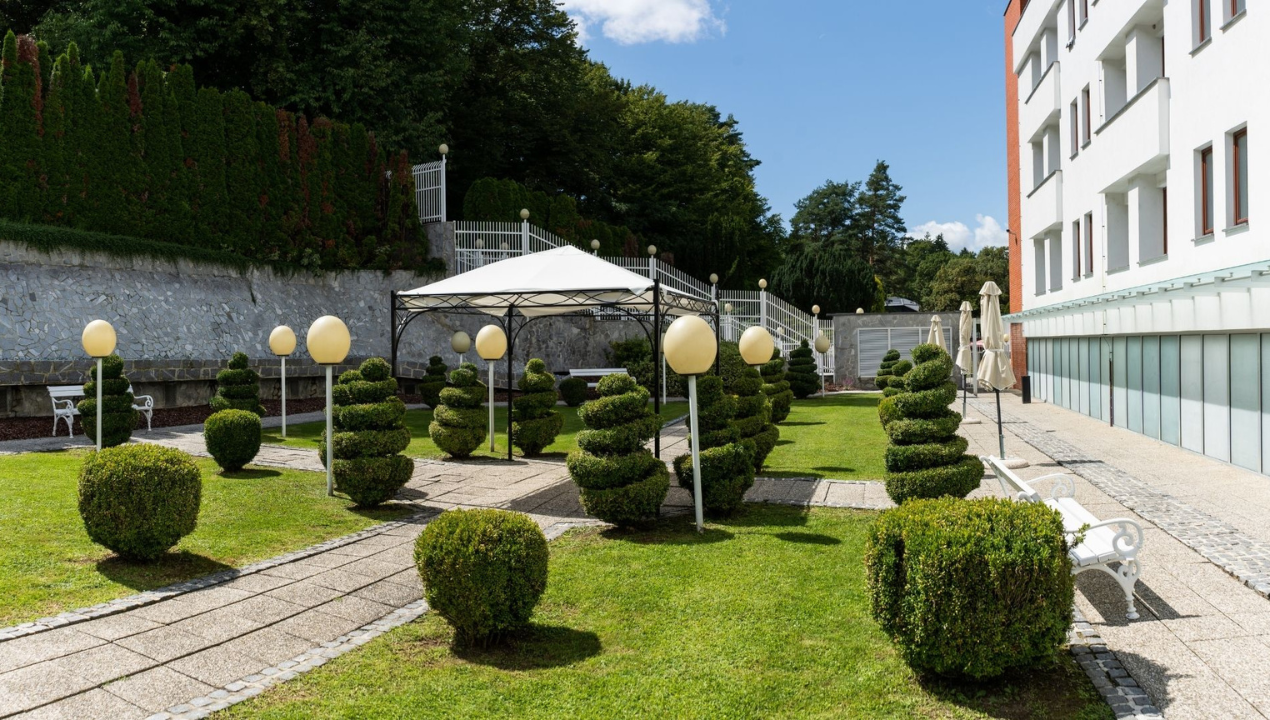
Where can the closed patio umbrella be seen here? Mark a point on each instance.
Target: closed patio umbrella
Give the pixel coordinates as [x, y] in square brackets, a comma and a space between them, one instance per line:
[936, 334]
[995, 371]
[966, 356]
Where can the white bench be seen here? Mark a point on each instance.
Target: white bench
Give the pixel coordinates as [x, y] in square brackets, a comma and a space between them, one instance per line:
[63, 397]
[1105, 541]
[595, 372]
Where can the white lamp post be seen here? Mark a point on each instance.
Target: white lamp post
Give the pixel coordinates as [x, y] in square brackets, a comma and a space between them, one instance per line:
[727, 321]
[460, 343]
[822, 347]
[99, 341]
[328, 343]
[690, 350]
[282, 344]
[762, 303]
[652, 262]
[491, 343]
[595, 247]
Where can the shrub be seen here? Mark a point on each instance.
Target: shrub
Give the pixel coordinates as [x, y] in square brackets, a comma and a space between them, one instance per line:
[232, 438]
[885, 371]
[970, 588]
[732, 366]
[139, 500]
[926, 458]
[433, 382]
[802, 372]
[573, 391]
[369, 435]
[238, 387]
[483, 571]
[535, 421]
[727, 466]
[618, 424]
[776, 387]
[459, 426]
[117, 416]
[753, 421]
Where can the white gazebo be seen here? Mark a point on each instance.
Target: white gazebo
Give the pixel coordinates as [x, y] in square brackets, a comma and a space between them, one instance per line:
[560, 281]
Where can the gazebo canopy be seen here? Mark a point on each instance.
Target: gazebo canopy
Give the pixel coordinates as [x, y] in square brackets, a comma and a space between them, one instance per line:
[552, 282]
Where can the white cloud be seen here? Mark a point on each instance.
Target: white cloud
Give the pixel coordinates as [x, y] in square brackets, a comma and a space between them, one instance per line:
[988, 233]
[630, 22]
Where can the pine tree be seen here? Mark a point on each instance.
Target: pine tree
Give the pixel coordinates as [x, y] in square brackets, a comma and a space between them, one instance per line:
[56, 118]
[21, 105]
[207, 138]
[241, 228]
[163, 155]
[802, 372]
[114, 169]
[272, 235]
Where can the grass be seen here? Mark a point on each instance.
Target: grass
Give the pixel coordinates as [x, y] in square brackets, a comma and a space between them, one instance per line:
[48, 564]
[763, 616]
[837, 437]
[421, 445]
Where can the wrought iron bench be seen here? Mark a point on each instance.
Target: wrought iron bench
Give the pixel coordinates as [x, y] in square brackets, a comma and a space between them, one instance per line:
[64, 396]
[595, 373]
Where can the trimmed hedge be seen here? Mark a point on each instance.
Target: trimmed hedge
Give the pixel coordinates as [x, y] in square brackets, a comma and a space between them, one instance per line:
[727, 466]
[573, 391]
[753, 421]
[802, 372]
[139, 500]
[238, 387]
[619, 423]
[971, 589]
[885, 371]
[433, 382]
[118, 419]
[776, 387]
[535, 421]
[483, 571]
[368, 466]
[232, 438]
[459, 426]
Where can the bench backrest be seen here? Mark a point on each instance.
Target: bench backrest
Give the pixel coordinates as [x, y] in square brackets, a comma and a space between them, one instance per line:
[1011, 484]
[596, 372]
[60, 392]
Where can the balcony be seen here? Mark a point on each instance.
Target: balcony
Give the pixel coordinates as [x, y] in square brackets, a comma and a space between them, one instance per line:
[1135, 140]
[1043, 207]
[1030, 26]
[1042, 107]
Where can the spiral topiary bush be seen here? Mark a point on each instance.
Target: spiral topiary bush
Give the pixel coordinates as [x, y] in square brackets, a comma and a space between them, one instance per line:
[776, 387]
[139, 500]
[753, 421]
[117, 416]
[618, 478]
[926, 457]
[433, 382]
[483, 571]
[370, 434]
[883, 378]
[573, 391]
[459, 424]
[535, 421]
[727, 466]
[898, 381]
[802, 372]
[238, 387]
[232, 438]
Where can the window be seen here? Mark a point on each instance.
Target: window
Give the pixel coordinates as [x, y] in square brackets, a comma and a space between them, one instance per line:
[1239, 175]
[1206, 191]
[1164, 192]
[1202, 33]
[1088, 124]
[1089, 243]
[1076, 250]
[1236, 7]
[1084, 12]
[1075, 123]
[1071, 21]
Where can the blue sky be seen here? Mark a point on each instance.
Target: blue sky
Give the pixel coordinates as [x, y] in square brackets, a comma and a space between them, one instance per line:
[825, 88]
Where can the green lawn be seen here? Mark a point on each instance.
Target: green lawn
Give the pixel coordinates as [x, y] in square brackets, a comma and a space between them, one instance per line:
[421, 445]
[837, 437]
[764, 616]
[48, 564]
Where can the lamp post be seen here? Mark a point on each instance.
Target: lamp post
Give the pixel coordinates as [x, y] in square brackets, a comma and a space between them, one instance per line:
[491, 343]
[524, 231]
[99, 341]
[690, 349]
[328, 343]
[727, 320]
[652, 262]
[822, 347]
[460, 343]
[815, 329]
[762, 303]
[444, 150]
[595, 247]
[282, 344]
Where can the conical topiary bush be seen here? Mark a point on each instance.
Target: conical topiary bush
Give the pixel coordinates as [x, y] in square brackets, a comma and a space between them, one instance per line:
[238, 387]
[535, 421]
[459, 424]
[753, 419]
[727, 466]
[433, 382]
[883, 378]
[370, 434]
[926, 457]
[802, 372]
[776, 387]
[898, 381]
[619, 479]
[117, 416]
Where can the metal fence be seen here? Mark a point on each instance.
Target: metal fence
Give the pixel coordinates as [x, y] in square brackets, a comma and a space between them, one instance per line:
[430, 191]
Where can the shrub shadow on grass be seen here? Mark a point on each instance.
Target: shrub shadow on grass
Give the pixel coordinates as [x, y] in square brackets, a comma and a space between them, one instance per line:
[767, 515]
[796, 423]
[808, 538]
[1058, 689]
[169, 568]
[670, 531]
[254, 473]
[536, 647]
[386, 512]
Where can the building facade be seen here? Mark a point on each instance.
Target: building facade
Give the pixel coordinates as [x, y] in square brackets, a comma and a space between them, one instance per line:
[1143, 280]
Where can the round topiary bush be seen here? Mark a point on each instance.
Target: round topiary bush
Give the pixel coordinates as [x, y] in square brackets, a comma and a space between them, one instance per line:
[483, 571]
[232, 438]
[139, 500]
[891, 357]
[753, 421]
[238, 387]
[535, 421]
[459, 424]
[573, 391]
[727, 466]
[926, 458]
[802, 372]
[433, 381]
[117, 416]
[776, 387]
[970, 588]
[370, 434]
[618, 478]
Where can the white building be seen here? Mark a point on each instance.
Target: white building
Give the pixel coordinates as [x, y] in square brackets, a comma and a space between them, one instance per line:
[1145, 274]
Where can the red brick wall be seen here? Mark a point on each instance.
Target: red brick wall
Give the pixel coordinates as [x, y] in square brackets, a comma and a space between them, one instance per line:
[1018, 344]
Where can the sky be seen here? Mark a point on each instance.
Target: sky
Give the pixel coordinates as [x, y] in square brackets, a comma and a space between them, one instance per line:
[823, 89]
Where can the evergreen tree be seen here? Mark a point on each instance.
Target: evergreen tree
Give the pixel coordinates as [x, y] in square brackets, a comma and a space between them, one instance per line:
[115, 169]
[163, 154]
[20, 130]
[885, 371]
[753, 420]
[433, 381]
[207, 140]
[272, 237]
[802, 372]
[241, 228]
[57, 107]
[535, 421]
[882, 227]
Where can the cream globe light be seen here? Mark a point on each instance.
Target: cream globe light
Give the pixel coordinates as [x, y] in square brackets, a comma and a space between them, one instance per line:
[714, 278]
[652, 249]
[859, 311]
[460, 342]
[762, 284]
[595, 244]
[524, 213]
[815, 309]
[282, 341]
[328, 340]
[822, 344]
[689, 346]
[444, 149]
[491, 342]
[727, 308]
[98, 339]
[756, 346]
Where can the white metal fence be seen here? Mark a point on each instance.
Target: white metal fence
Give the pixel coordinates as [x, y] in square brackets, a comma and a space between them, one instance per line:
[430, 191]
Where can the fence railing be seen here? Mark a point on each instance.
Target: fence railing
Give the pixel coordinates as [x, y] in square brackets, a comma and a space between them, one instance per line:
[430, 191]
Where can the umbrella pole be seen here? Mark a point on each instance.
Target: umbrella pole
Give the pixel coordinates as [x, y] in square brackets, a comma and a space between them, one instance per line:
[965, 391]
[1000, 431]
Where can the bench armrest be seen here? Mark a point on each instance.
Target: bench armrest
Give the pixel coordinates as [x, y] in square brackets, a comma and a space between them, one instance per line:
[1063, 485]
[70, 404]
[1128, 538]
[149, 401]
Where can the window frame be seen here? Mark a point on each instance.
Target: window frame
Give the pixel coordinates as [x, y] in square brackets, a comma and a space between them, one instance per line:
[1089, 243]
[1205, 32]
[1164, 191]
[1237, 140]
[1088, 121]
[1071, 21]
[1075, 123]
[1076, 238]
[1207, 223]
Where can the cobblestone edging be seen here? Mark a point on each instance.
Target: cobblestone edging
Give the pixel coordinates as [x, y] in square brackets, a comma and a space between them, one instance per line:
[150, 597]
[1113, 681]
[1243, 556]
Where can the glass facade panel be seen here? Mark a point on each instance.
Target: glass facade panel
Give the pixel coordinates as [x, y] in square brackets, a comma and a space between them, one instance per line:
[1170, 389]
[1119, 385]
[1151, 386]
[1192, 383]
[1217, 396]
[1133, 369]
[1245, 401]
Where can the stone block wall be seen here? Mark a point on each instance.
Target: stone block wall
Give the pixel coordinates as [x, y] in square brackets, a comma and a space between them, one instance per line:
[845, 338]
